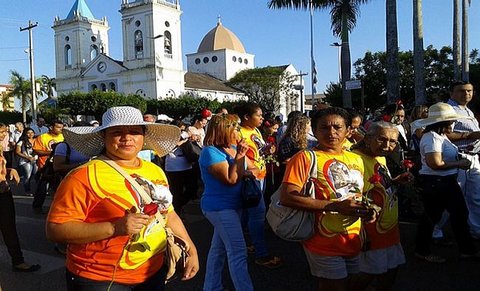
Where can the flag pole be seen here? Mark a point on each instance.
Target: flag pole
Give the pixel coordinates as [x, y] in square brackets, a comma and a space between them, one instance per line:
[312, 62]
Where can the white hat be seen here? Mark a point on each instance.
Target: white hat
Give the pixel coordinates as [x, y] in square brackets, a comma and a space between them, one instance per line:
[440, 112]
[161, 138]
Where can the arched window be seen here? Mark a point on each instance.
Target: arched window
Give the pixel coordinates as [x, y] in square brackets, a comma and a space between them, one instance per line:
[93, 51]
[167, 42]
[68, 55]
[138, 44]
[111, 86]
[103, 87]
[94, 87]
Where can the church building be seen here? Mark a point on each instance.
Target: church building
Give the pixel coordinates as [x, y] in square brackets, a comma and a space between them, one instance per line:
[152, 64]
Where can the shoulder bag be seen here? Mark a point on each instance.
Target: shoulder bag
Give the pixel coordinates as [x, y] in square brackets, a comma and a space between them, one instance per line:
[251, 192]
[177, 248]
[294, 224]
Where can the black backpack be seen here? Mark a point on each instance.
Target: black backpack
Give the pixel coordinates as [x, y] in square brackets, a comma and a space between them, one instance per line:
[47, 173]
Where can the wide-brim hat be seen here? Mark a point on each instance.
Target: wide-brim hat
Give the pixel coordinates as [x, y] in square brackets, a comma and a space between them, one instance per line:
[440, 112]
[162, 138]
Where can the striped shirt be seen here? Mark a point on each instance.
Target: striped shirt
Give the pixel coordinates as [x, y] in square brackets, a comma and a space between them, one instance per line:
[464, 125]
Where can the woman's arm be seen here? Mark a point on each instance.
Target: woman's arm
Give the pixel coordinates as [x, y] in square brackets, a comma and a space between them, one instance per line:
[290, 197]
[18, 152]
[192, 264]
[78, 232]
[230, 174]
[435, 161]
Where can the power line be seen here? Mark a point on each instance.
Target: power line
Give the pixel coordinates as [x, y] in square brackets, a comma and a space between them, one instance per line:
[12, 47]
[13, 60]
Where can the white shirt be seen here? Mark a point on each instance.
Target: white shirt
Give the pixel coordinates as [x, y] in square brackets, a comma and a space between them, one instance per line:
[433, 142]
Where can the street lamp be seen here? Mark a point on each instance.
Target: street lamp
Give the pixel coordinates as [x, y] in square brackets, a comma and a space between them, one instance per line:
[300, 88]
[339, 47]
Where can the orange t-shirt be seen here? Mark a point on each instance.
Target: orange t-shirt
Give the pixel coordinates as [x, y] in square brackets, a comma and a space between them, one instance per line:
[94, 193]
[338, 176]
[384, 231]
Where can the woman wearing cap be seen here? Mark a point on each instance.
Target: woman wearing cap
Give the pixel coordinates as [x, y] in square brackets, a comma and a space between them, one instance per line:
[113, 239]
[438, 180]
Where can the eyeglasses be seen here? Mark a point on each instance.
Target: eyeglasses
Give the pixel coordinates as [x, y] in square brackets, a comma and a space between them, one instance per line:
[390, 142]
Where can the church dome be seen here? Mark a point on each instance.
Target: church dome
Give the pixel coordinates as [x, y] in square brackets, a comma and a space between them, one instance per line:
[220, 38]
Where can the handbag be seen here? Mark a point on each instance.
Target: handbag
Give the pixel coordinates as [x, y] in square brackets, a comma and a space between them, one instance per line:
[293, 224]
[176, 252]
[251, 192]
[191, 150]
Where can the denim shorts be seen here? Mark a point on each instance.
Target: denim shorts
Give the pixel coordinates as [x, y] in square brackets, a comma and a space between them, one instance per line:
[331, 267]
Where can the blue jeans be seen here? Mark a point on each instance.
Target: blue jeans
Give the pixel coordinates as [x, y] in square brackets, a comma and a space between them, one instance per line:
[227, 241]
[254, 217]
[28, 171]
[154, 283]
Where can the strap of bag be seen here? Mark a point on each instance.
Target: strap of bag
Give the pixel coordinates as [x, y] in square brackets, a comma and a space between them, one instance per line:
[146, 198]
[313, 166]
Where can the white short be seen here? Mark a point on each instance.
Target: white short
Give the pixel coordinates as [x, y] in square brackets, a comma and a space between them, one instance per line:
[381, 260]
[331, 267]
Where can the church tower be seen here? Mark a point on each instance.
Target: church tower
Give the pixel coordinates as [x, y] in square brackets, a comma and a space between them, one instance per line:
[152, 47]
[79, 38]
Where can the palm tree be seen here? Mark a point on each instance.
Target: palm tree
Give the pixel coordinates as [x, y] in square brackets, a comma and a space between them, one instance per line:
[393, 71]
[418, 61]
[21, 90]
[5, 101]
[465, 53]
[343, 14]
[457, 61]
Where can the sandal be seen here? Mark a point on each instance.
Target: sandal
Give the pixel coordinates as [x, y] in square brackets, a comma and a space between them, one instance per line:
[23, 267]
[431, 258]
[270, 262]
[251, 250]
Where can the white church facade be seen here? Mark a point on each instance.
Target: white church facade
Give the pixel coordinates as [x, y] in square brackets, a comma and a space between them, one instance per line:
[152, 64]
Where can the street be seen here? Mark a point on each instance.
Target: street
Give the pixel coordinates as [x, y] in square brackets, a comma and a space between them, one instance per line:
[294, 275]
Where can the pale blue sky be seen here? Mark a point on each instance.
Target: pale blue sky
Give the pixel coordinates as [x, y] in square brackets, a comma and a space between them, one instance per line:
[275, 37]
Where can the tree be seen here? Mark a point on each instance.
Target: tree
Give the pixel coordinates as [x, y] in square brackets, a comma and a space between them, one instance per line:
[5, 99]
[21, 90]
[465, 55]
[343, 15]
[393, 71]
[418, 60]
[457, 61]
[265, 86]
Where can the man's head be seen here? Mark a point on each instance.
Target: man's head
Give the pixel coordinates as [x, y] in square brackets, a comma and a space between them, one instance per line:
[149, 118]
[56, 127]
[461, 92]
[19, 126]
[40, 122]
[199, 121]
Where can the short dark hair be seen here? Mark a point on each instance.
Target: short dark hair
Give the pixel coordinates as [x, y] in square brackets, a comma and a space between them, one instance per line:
[56, 121]
[458, 83]
[247, 108]
[354, 113]
[438, 127]
[197, 117]
[331, 111]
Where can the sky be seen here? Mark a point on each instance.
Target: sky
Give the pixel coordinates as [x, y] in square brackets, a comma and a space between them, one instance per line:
[275, 37]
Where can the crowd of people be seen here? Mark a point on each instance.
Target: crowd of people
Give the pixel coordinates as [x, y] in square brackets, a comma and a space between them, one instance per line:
[364, 167]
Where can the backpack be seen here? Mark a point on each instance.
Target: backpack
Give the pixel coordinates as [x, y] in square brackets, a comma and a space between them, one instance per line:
[47, 173]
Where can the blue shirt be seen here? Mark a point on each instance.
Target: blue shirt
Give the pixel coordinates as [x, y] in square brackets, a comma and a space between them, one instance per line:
[217, 195]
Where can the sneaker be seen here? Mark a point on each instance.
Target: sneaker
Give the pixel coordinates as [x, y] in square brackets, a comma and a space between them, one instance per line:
[26, 268]
[431, 258]
[444, 242]
[470, 257]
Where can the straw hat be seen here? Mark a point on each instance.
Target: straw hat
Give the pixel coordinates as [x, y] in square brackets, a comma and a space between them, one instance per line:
[161, 138]
[440, 112]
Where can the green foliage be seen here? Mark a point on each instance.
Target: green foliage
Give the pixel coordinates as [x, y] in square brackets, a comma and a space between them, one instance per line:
[264, 85]
[97, 102]
[438, 75]
[8, 117]
[333, 94]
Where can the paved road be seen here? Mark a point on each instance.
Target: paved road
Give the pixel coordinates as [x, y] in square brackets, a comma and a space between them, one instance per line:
[414, 275]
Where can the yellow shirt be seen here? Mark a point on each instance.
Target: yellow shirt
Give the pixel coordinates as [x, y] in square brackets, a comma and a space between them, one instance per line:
[44, 142]
[256, 145]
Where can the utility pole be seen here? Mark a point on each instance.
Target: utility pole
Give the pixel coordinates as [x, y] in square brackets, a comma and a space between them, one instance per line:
[32, 74]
